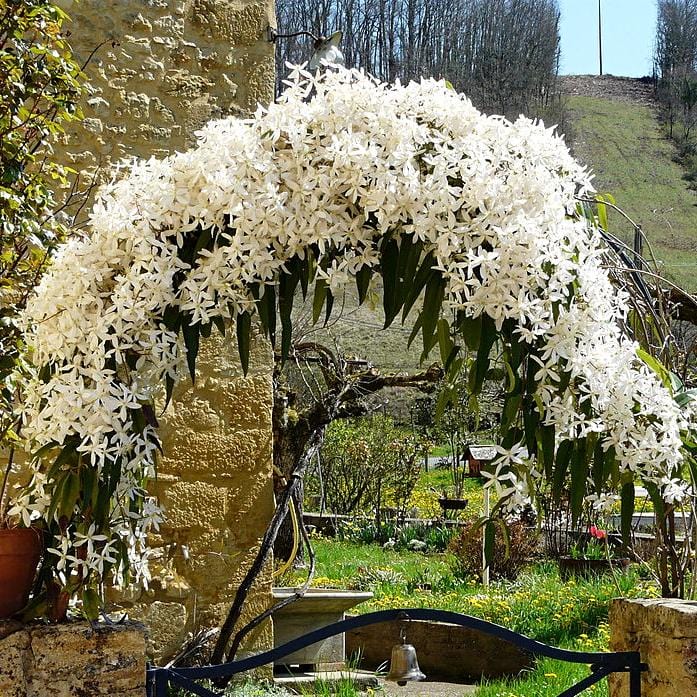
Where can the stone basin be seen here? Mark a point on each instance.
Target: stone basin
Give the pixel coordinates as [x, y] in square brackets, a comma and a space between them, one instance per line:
[318, 608]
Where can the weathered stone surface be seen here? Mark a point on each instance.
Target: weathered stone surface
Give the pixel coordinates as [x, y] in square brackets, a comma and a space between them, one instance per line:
[14, 647]
[217, 506]
[664, 631]
[73, 660]
[172, 67]
[168, 622]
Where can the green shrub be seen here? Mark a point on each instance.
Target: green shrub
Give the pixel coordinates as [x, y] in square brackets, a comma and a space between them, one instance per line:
[368, 464]
[507, 561]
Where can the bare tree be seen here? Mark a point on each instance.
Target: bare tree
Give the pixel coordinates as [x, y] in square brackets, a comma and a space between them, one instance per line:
[675, 61]
[503, 53]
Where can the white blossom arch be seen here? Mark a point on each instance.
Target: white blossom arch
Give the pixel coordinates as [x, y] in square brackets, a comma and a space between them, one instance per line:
[342, 181]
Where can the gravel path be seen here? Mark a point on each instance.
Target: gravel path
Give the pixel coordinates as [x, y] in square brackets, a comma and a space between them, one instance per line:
[428, 689]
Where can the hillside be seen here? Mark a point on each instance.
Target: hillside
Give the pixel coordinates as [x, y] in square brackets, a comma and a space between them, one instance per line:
[615, 132]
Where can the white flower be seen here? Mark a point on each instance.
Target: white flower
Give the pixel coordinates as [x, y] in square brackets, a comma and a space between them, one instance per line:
[489, 199]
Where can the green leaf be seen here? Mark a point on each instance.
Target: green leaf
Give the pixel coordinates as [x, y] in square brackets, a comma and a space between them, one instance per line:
[70, 494]
[363, 277]
[321, 290]
[328, 308]
[415, 330]
[286, 293]
[546, 449]
[171, 318]
[470, 329]
[453, 367]
[422, 277]
[627, 511]
[388, 268]
[579, 474]
[169, 389]
[244, 332]
[220, 325]
[307, 272]
[202, 241]
[657, 367]
[190, 332]
[509, 414]
[561, 467]
[90, 603]
[481, 364]
[266, 306]
[602, 211]
[57, 496]
[445, 342]
[409, 257]
[433, 299]
[656, 499]
[685, 397]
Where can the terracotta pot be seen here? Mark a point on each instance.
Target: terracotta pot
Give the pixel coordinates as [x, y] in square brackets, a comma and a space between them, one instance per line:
[20, 551]
[585, 568]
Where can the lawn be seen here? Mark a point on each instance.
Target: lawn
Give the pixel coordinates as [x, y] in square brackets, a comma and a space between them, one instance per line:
[538, 603]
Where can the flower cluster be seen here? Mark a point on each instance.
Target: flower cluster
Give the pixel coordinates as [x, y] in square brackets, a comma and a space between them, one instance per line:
[340, 163]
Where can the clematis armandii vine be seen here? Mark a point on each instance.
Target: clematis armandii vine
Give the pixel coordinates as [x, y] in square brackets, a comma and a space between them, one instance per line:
[338, 174]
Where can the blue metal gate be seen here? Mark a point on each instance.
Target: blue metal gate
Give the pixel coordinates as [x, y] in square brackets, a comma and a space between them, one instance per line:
[601, 664]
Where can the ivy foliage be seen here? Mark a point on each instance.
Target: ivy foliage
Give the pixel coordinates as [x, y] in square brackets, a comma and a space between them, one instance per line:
[40, 86]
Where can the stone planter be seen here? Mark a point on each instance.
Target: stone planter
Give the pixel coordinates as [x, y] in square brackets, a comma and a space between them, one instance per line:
[318, 608]
[570, 567]
[448, 504]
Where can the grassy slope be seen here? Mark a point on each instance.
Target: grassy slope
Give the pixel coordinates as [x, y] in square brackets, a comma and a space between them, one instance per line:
[631, 158]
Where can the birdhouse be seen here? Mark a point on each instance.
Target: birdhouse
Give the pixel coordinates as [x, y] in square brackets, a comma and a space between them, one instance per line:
[478, 455]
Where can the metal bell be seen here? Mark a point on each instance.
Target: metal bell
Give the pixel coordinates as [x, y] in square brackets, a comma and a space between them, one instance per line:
[403, 665]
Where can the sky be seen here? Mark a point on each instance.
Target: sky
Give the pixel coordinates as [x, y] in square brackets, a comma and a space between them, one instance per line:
[628, 29]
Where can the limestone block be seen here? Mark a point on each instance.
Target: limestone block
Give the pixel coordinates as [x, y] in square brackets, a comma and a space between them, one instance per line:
[664, 631]
[193, 504]
[72, 660]
[13, 651]
[174, 52]
[167, 624]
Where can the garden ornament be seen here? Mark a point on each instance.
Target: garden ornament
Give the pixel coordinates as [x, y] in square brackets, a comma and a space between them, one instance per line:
[404, 667]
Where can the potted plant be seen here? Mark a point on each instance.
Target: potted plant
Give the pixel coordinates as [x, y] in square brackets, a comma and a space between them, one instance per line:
[20, 545]
[591, 555]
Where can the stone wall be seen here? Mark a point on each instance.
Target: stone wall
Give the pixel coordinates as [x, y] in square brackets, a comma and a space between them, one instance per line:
[214, 480]
[664, 631]
[72, 660]
[163, 68]
[160, 70]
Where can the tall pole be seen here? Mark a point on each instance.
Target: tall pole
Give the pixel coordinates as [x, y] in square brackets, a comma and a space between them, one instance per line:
[600, 39]
[487, 513]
